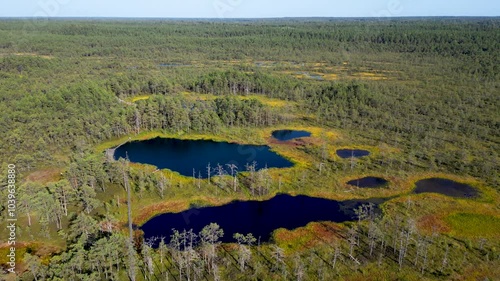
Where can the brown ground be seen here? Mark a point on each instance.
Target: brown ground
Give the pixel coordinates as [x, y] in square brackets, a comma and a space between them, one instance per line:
[432, 223]
[45, 176]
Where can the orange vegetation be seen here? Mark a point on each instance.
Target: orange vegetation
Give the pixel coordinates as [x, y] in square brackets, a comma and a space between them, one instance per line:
[432, 223]
[45, 176]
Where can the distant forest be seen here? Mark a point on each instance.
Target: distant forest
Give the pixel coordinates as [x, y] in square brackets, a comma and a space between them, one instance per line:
[444, 86]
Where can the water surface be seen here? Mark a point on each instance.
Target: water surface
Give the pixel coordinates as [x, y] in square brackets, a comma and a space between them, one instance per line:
[284, 135]
[183, 156]
[446, 187]
[348, 153]
[260, 218]
[368, 182]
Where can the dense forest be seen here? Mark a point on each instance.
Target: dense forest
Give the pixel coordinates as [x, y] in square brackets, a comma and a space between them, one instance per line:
[423, 93]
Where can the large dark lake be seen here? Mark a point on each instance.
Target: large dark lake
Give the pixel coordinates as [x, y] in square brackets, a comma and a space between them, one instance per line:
[183, 156]
[260, 218]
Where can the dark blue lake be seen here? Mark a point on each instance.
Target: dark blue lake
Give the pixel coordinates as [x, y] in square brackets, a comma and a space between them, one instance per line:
[183, 156]
[284, 135]
[368, 182]
[348, 153]
[446, 187]
[258, 218]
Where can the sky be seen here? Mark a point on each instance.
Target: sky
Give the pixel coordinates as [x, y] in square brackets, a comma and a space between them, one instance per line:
[247, 8]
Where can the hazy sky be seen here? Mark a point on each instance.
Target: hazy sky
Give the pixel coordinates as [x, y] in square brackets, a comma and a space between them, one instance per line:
[247, 8]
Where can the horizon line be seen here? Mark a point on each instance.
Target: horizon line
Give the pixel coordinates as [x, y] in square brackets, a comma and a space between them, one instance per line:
[242, 18]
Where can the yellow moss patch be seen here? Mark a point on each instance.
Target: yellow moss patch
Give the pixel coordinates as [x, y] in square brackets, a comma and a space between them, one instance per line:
[369, 76]
[474, 225]
[164, 207]
[43, 250]
[268, 101]
[318, 64]
[28, 55]
[138, 98]
[330, 76]
[196, 96]
[176, 206]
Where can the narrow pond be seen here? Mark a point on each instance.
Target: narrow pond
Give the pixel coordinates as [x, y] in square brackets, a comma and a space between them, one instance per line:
[312, 76]
[348, 153]
[446, 187]
[193, 156]
[368, 182]
[258, 218]
[284, 135]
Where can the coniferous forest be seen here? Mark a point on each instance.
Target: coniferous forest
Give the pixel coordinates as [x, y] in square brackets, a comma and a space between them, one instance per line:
[420, 94]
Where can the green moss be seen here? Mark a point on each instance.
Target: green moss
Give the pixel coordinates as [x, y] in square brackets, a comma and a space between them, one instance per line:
[474, 225]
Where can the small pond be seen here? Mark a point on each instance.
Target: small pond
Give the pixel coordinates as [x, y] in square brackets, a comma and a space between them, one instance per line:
[260, 218]
[183, 156]
[368, 182]
[446, 187]
[284, 135]
[312, 76]
[173, 64]
[348, 153]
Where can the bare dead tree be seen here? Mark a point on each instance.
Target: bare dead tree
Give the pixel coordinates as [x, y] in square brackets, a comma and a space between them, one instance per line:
[352, 238]
[146, 253]
[278, 255]
[162, 251]
[337, 253]
[162, 185]
[445, 261]
[131, 251]
[299, 269]
[220, 173]
[251, 169]
[320, 167]
[209, 171]
[425, 250]
[234, 169]
[137, 118]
